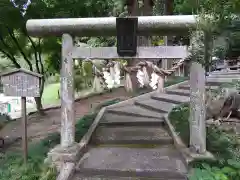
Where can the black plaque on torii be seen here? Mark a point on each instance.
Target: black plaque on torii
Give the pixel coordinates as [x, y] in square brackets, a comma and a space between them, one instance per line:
[127, 36]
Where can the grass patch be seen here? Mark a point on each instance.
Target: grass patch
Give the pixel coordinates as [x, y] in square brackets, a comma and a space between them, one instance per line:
[50, 93]
[175, 80]
[223, 145]
[12, 167]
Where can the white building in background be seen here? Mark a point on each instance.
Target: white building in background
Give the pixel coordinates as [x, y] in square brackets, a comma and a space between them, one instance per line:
[12, 105]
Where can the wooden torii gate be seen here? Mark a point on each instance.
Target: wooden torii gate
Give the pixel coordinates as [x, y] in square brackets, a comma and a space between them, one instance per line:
[106, 26]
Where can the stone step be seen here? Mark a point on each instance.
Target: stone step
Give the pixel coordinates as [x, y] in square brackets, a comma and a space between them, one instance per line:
[155, 105]
[233, 76]
[79, 176]
[136, 111]
[217, 81]
[171, 98]
[180, 92]
[110, 119]
[161, 162]
[213, 81]
[233, 72]
[187, 87]
[131, 135]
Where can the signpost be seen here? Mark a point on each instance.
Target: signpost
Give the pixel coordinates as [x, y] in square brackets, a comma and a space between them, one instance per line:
[22, 83]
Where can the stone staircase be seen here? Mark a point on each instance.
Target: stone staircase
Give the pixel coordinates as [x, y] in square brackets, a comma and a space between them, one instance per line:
[132, 139]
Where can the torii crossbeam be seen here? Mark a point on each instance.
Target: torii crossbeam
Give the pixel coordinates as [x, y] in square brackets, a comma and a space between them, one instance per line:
[106, 26]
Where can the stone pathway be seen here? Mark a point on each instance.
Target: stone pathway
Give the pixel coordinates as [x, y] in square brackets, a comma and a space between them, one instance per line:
[132, 140]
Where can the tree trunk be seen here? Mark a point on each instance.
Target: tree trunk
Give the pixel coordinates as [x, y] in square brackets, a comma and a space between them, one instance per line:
[134, 10]
[38, 100]
[168, 39]
[207, 51]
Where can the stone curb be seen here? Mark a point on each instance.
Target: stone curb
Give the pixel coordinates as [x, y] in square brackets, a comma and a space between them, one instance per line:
[184, 150]
[67, 169]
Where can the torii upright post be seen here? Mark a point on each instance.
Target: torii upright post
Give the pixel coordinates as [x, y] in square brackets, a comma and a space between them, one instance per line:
[67, 93]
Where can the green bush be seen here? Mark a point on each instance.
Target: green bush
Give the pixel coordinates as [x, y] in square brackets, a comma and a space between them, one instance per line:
[223, 145]
[12, 167]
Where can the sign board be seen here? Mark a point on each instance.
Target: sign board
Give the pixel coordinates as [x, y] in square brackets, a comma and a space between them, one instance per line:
[127, 36]
[21, 83]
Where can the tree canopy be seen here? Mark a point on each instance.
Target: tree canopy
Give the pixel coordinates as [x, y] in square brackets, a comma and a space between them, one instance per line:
[42, 55]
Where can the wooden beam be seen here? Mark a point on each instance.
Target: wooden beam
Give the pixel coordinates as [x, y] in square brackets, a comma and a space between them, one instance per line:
[166, 52]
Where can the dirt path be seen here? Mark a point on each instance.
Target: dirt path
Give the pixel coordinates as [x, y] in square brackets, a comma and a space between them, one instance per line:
[40, 126]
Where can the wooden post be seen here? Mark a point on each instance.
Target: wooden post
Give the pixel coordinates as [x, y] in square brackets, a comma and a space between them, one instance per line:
[160, 85]
[67, 93]
[183, 70]
[24, 129]
[179, 71]
[164, 66]
[197, 109]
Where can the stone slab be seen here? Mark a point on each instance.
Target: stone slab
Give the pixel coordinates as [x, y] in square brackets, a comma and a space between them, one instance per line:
[155, 105]
[139, 162]
[110, 119]
[233, 76]
[180, 92]
[187, 87]
[79, 176]
[131, 135]
[171, 98]
[133, 110]
[215, 81]
[219, 80]
[231, 72]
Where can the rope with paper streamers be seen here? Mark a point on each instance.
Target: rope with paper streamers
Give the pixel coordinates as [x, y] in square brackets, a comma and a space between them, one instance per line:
[99, 82]
[157, 76]
[111, 74]
[109, 77]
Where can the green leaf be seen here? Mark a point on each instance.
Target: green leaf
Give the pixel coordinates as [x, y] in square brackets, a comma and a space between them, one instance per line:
[234, 163]
[227, 170]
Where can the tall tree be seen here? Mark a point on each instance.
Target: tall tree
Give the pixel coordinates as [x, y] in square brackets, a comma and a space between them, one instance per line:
[15, 43]
[40, 55]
